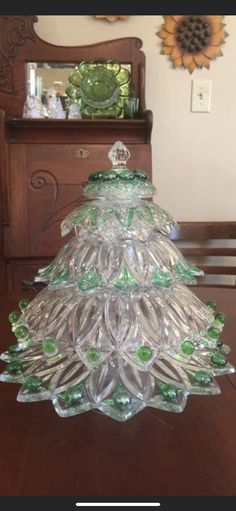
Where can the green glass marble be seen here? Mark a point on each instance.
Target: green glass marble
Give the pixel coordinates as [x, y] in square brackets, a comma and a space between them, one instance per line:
[161, 278]
[187, 347]
[203, 378]
[211, 305]
[61, 276]
[73, 395]
[168, 392]
[90, 280]
[21, 332]
[14, 367]
[13, 317]
[127, 175]
[213, 333]
[95, 176]
[218, 359]
[220, 316]
[93, 355]
[125, 282]
[50, 346]
[121, 398]
[140, 174]
[13, 349]
[33, 383]
[109, 175]
[23, 304]
[144, 353]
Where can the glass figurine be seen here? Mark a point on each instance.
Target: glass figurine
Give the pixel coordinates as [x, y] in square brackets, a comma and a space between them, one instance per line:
[116, 327]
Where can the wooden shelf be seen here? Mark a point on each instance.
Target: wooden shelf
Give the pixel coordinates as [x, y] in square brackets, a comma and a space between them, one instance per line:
[80, 130]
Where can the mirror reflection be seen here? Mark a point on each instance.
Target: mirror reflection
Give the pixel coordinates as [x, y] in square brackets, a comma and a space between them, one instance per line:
[88, 89]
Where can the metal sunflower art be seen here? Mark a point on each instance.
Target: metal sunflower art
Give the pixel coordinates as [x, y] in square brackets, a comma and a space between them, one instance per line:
[192, 41]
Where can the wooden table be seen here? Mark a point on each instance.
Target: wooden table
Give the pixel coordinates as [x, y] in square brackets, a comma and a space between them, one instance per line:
[154, 453]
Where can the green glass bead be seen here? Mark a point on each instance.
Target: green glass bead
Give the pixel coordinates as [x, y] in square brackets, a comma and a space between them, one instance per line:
[14, 349]
[93, 355]
[73, 395]
[187, 347]
[213, 333]
[21, 332]
[121, 398]
[13, 317]
[50, 346]
[218, 359]
[14, 367]
[140, 174]
[109, 175]
[95, 176]
[23, 304]
[127, 175]
[33, 383]
[211, 305]
[220, 316]
[203, 378]
[144, 353]
[168, 392]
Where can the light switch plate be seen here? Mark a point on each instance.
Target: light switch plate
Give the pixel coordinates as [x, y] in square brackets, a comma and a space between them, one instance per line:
[201, 96]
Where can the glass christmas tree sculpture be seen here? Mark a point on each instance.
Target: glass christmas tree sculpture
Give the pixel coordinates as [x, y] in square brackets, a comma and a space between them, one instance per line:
[116, 327]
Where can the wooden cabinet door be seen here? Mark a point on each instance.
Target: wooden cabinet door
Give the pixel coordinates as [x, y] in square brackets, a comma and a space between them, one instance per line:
[46, 184]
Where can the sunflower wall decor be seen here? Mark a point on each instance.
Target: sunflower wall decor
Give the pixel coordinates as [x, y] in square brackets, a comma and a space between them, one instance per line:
[192, 41]
[111, 18]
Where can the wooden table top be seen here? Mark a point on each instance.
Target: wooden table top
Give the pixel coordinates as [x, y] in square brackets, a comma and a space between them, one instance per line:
[154, 453]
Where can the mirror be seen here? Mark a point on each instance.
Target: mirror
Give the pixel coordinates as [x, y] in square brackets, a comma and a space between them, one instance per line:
[41, 76]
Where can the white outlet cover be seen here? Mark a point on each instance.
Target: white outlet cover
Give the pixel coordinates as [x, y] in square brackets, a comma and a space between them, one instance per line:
[201, 96]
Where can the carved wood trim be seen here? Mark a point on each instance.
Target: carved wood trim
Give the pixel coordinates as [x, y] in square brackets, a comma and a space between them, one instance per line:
[14, 30]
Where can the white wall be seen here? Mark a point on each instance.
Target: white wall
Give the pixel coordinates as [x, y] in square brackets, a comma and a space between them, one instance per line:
[194, 154]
